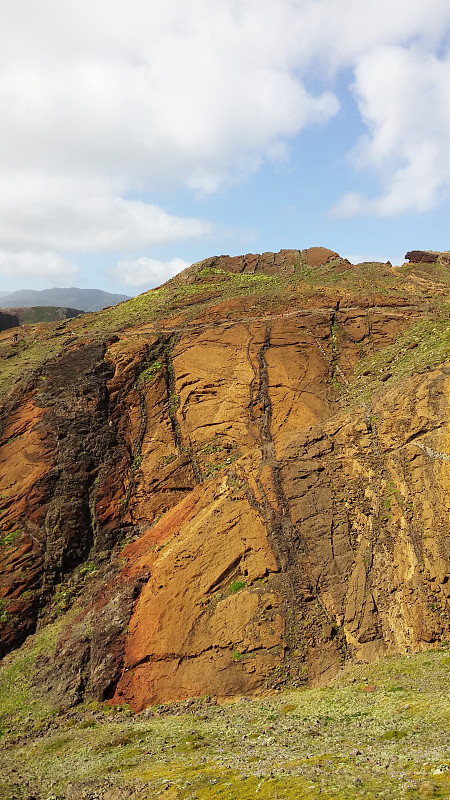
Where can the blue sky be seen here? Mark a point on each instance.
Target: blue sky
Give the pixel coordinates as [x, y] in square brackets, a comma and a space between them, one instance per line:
[138, 137]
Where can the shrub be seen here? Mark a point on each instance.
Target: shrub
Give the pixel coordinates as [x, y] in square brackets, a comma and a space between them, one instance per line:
[236, 585]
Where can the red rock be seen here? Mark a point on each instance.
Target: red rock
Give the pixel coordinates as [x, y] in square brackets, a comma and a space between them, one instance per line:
[223, 519]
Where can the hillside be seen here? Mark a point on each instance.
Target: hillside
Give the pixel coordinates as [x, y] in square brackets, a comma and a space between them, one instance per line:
[233, 484]
[35, 314]
[379, 731]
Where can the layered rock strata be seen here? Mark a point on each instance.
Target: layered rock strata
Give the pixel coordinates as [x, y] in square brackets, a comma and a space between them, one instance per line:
[196, 493]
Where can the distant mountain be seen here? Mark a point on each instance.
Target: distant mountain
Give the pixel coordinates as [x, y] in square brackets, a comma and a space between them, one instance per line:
[83, 299]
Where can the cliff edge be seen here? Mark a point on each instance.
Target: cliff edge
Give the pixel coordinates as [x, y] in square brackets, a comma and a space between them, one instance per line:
[232, 483]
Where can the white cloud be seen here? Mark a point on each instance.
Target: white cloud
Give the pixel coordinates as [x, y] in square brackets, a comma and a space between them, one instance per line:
[28, 264]
[150, 94]
[350, 204]
[84, 215]
[339, 33]
[148, 272]
[404, 98]
[103, 104]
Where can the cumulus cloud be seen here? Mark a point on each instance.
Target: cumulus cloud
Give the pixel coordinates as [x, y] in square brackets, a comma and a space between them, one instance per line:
[72, 214]
[148, 272]
[104, 106]
[341, 32]
[404, 97]
[28, 264]
[181, 94]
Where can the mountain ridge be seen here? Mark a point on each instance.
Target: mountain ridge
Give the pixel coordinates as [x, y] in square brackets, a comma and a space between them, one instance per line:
[232, 483]
[82, 299]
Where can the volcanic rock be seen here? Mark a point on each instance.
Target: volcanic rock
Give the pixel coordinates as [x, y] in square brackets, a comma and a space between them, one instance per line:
[235, 482]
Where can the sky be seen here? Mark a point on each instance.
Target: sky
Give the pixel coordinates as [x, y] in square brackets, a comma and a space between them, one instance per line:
[138, 137]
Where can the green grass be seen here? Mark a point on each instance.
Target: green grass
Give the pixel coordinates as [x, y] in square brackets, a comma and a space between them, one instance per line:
[24, 361]
[367, 278]
[10, 538]
[18, 701]
[150, 373]
[236, 586]
[438, 271]
[336, 743]
[212, 467]
[422, 346]
[3, 610]
[37, 314]
[41, 343]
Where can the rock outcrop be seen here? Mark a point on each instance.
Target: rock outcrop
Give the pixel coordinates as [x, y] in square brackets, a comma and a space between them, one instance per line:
[421, 256]
[242, 484]
[427, 257]
[8, 320]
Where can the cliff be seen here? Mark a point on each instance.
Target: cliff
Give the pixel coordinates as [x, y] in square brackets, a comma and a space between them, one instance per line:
[235, 482]
[8, 320]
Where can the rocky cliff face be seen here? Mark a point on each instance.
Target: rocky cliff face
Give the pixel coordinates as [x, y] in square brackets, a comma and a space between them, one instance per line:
[8, 320]
[234, 482]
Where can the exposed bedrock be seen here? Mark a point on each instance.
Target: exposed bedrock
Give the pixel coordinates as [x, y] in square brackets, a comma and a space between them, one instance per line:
[212, 515]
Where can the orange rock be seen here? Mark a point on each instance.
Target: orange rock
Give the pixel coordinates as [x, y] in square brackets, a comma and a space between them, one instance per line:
[248, 527]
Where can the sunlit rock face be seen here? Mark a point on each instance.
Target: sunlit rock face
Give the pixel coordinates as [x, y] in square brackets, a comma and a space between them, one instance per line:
[241, 486]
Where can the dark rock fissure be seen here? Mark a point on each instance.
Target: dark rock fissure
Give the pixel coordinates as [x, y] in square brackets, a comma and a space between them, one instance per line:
[282, 533]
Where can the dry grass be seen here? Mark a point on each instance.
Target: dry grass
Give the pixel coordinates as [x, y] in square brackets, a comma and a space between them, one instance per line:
[340, 742]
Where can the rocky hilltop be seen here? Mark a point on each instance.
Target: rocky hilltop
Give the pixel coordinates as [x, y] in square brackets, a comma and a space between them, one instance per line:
[236, 482]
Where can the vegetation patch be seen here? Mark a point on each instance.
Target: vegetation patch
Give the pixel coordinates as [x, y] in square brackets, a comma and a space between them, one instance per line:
[88, 568]
[211, 467]
[3, 610]
[9, 539]
[150, 373]
[136, 463]
[236, 586]
[18, 701]
[337, 743]
[174, 403]
[422, 346]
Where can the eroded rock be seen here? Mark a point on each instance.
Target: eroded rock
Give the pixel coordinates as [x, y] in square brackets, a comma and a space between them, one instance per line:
[218, 522]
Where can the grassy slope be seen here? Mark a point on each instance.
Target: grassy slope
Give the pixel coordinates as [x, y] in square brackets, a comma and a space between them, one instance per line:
[36, 314]
[422, 346]
[380, 731]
